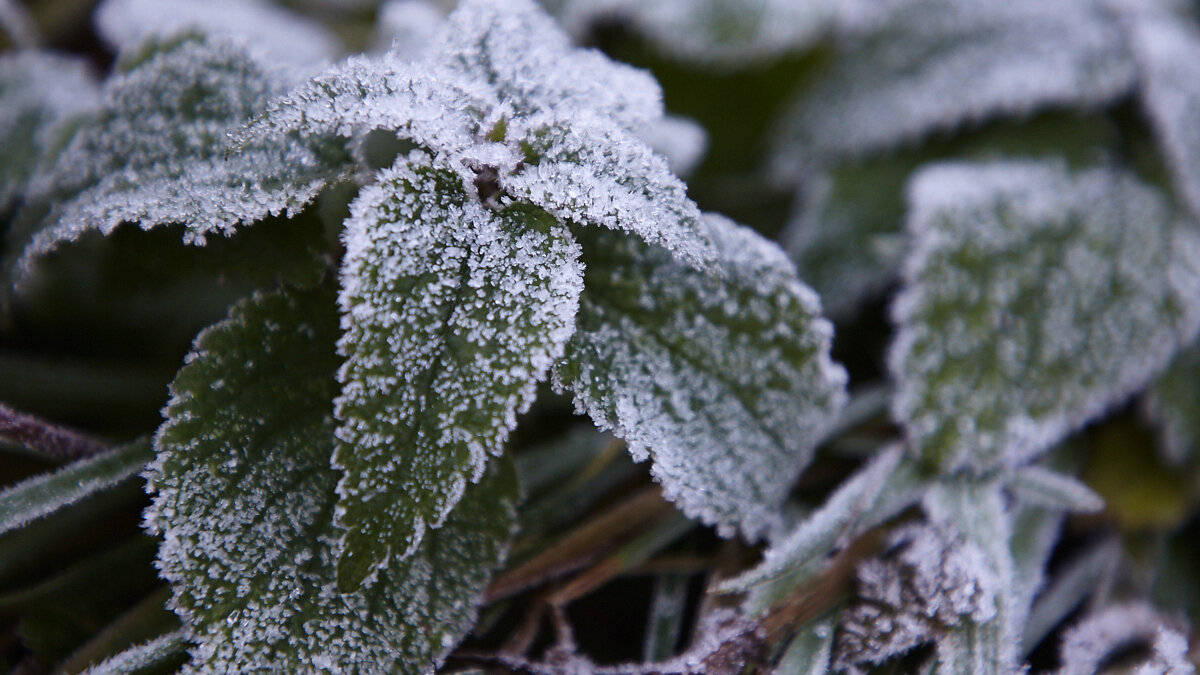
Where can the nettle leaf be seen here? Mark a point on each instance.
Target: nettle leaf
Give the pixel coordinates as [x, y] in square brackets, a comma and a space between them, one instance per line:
[607, 176]
[724, 381]
[1167, 49]
[1036, 299]
[905, 69]
[278, 34]
[565, 141]
[156, 152]
[452, 313]
[42, 96]
[244, 501]
[730, 33]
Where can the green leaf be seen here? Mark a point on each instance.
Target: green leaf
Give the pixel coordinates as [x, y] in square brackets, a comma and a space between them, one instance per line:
[245, 500]
[1036, 300]
[156, 153]
[45, 494]
[723, 380]
[42, 95]
[606, 176]
[452, 313]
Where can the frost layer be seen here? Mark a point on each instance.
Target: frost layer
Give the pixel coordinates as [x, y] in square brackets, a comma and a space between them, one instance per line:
[724, 381]
[1036, 299]
[244, 494]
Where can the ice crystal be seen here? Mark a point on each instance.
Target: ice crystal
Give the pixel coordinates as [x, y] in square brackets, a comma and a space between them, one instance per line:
[1036, 299]
[725, 382]
[452, 312]
[1089, 644]
[244, 501]
[905, 68]
[41, 96]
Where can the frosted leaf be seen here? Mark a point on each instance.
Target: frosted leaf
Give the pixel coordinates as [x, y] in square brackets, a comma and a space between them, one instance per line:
[516, 49]
[606, 176]
[1171, 405]
[730, 33]
[269, 29]
[905, 68]
[42, 97]
[1087, 645]
[501, 92]
[142, 657]
[1036, 299]
[43, 494]
[927, 580]
[724, 381]
[1050, 489]
[452, 312]
[244, 502]
[1167, 48]
[156, 152]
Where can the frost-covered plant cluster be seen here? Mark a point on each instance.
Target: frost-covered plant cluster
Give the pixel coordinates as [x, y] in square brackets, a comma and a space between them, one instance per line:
[418, 274]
